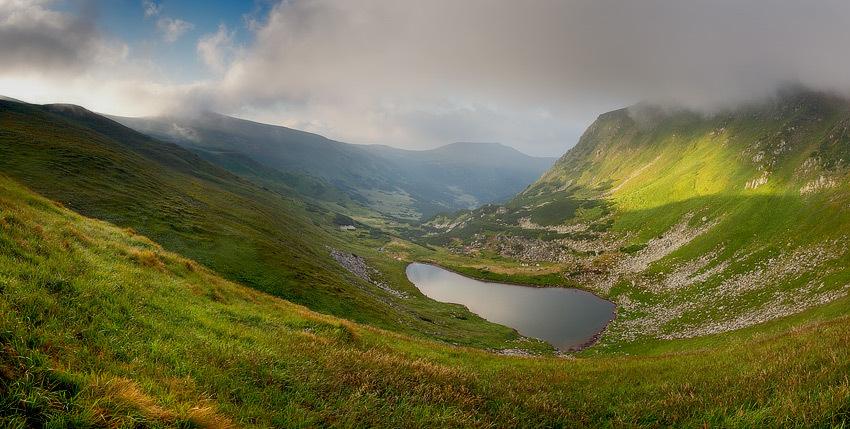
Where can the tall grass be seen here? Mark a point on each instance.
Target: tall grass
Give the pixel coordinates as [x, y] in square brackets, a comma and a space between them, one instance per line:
[102, 327]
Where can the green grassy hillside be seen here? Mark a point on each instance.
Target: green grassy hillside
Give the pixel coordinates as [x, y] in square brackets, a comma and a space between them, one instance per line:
[170, 310]
[257, 237]
[693, 224]
[101, 327]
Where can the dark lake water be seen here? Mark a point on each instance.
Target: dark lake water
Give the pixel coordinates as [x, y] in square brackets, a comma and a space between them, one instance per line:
[562, 317]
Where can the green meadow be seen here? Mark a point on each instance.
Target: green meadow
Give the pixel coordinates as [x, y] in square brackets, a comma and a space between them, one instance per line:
[141, 286]
[101, 327]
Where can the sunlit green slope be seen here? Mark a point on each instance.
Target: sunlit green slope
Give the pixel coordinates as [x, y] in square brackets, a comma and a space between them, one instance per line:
[692, 223]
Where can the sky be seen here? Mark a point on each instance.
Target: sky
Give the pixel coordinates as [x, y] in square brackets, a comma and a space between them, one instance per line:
[419, 74]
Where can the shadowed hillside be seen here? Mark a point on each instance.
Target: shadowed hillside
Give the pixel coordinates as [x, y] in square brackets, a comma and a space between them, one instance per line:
[399, 183]
[259, 238]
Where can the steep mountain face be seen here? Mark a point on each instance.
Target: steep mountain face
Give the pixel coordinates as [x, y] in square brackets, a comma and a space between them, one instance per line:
[693, 224]
[259, 238]
[398, 183]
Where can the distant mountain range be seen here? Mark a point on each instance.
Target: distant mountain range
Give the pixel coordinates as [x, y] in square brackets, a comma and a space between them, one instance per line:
[404, 184]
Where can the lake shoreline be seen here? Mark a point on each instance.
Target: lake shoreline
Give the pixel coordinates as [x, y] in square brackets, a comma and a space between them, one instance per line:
[506, 282]
[566, 350]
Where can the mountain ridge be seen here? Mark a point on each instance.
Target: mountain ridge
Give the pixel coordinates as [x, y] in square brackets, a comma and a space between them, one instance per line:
[400, 183]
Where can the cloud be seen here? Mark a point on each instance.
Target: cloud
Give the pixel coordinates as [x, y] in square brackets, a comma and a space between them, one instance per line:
[696, 52]
[570, 59]
[37, 39]
[419, 74]
[151, 8]
[216, 49]
[172, 29]
[49, 55]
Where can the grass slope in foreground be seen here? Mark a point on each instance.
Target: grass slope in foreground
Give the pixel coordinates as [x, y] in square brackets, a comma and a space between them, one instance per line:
[100, 327]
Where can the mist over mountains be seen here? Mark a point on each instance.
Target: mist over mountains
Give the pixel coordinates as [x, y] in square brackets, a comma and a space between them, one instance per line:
[406, 184]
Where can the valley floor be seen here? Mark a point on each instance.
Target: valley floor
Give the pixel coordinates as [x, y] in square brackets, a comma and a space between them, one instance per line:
[100, 326]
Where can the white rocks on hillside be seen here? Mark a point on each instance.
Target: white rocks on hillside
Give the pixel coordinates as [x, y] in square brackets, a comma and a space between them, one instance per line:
[758, 181]
[357, 266]
[676, 237]
[819, 184]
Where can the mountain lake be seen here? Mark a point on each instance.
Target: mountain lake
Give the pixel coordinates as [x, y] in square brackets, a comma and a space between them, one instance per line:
[566, 318]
